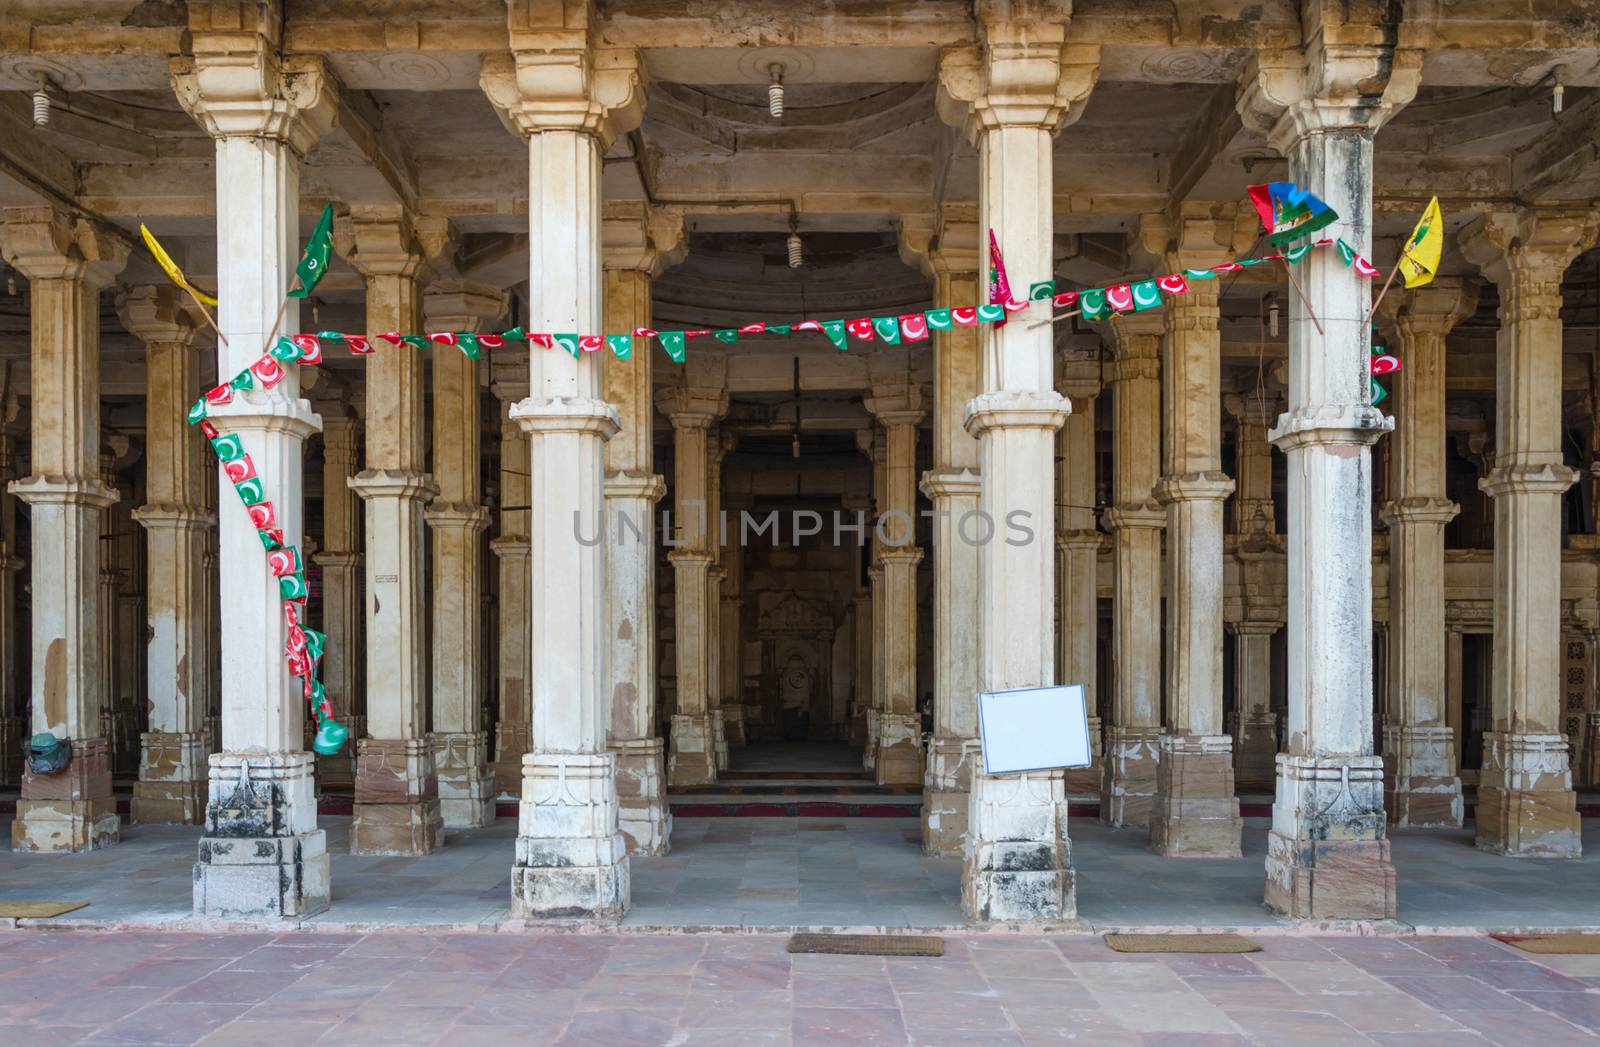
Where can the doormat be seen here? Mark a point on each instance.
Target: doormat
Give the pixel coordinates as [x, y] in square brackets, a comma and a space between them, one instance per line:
[1181, 943]
[868, 944]
[37, 910]
[1553, 944]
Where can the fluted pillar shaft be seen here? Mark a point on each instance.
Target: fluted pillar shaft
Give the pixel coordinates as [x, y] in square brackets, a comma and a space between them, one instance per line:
[693, 758]
[898, 744]
[1258, 549]
[1078, 555]
[513, 607]
[343, 663]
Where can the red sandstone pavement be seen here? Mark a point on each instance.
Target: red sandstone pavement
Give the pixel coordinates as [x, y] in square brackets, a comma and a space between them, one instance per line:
[144, 987]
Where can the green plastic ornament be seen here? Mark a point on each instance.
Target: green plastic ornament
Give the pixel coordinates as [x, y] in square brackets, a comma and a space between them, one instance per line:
[330, 737]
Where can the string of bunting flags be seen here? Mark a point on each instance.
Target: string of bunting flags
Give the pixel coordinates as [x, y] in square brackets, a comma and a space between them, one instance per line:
[1287, 213]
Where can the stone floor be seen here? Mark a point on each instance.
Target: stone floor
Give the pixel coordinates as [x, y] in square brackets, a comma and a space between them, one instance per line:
[732, 873]
[591, 990]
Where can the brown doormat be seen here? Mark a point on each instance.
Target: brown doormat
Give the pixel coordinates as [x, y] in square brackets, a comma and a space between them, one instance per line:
[868, 944]
[37, 910]
[1181, 943]
[1553, 944]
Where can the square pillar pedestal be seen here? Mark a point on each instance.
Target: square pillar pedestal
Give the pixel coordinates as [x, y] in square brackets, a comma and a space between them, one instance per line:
[262, 854]
[1526, 805]
[1327, 857]
[946, 797]
[571, 859]
[170, 789]
[397, 798]
[693, 759]
[71, 811]
[1018, 857]
[643, 814]
[1195, 813]
[464, 780]
[1128, 788]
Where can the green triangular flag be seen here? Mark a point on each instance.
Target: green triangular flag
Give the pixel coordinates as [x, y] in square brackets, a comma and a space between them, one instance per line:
[672, 342]
[569, 342]
[467, 342]
[988, 314]
[728, 335]
[1346, 252]
[284, 350]
[416, 341]
[197, 413]
[834, 329]
[1093, 304]
[621, 345]
[331, 336]
[516, 334]
[780, 328]
[315, 261]
[1038, 292]
[938, 319]
[887, 328]
[1378, 392]
[1297, 252]
[244, 381]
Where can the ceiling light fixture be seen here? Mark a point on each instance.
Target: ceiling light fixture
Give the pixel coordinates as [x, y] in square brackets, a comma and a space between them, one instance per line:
[1558, 90]
[775, 91]
[796, 257]
[41, 102]
[1272, 317]
[11, 283]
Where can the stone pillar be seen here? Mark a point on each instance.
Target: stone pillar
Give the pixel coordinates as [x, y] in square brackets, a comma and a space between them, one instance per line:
[718, 449]
[862, 666]
[1327, 856]
[1526, 803]
[568, 100]
[639, 244]
[262, 854]
[1135, 521]
[342, 617]
[1259, 550]
[1422, 787]
[457, 519]
[397, 786]
[692, 410]
[873, 446]
[898, 743]
[730, 674]
[1195, 813]
[1078, 553]
[1011, 94]
[67, 262]
[952, 485]
[14, 717]
[514, 608]
[171, 786]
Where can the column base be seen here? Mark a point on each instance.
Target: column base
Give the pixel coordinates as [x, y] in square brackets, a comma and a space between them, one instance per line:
[1083, 783]
[899, 743]
[71, 811]
[171, 789]
[511, 744]
[1327, 858]
[466, 788]
[693, 759]
[643, 814]
[946, 797]
[1255, 749]
[720, 734]
[733, 724]
[262, 854]
[1420, 786]
[1128, 784]
[337, 773]
[571, 859]
[397, 799]
[1195, 813]
[1017, 866]
[1526, 805]
[856, 732]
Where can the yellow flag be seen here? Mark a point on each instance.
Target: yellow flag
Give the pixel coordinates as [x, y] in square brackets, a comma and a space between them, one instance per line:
[170, 267]
[1420, 260]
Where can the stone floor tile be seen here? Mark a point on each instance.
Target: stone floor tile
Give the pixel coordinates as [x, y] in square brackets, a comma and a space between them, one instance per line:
[234, 987]
[732, 1038]
[741, 974]
[1527, 1027]
[54, 1035]
[392, 1026]
[168, 1023]
[312, 1003]
[618, 1028]
[1579, 1008]
[1196, 1039]
[861, 1027]
[1426, 1039]
[92, 1006]
[1518, 975]
[1164, 1012]
[264, 1034]
[989, 1038]
[1454, 993]
[733, 1010]
[1078, 1028]
[1482, 950]
[1276, 1025]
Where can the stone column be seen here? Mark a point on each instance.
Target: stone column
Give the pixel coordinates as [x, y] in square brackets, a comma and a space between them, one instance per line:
[692, 410]
[67, 262]
[862, 666]
[397, 786]
[1259, 551]
[1327, 856]
[342, 617]
[1195, 813]
[1526, 803]
[171, 786]
[729, 638]
[262, 854]
[1011, 94]
[718, 449]
[639, 244]
[1421, 783]
[14, 717]
[873, 446]
[457, 519]
[1132, 756]
[952, 485]
[514, 608]
[898, 744]
[1078, 553]
[568, 100]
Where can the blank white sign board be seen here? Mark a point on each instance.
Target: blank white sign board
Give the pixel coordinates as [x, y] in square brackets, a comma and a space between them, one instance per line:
[1033, 729]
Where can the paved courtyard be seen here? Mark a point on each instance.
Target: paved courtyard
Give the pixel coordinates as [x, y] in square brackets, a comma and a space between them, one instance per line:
[784, 873]
[583, 990]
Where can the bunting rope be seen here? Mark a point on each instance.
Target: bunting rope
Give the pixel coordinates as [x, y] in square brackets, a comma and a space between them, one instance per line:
[304, 646]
